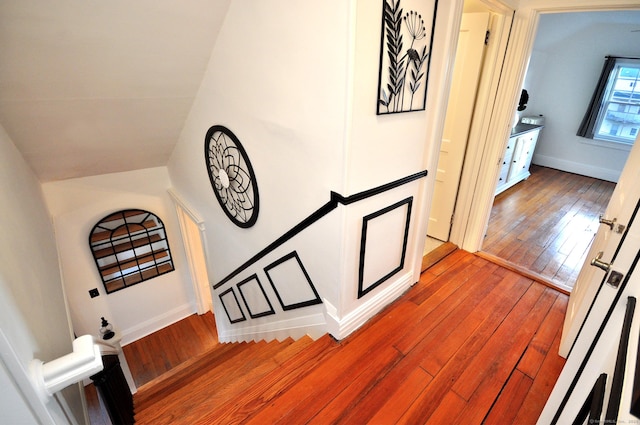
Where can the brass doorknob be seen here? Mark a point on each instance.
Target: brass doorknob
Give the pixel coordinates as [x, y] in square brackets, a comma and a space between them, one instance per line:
[609, 223]
[596, 262]
[612, 224]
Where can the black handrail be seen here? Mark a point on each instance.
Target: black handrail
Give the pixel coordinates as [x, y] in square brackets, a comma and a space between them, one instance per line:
[335, 199]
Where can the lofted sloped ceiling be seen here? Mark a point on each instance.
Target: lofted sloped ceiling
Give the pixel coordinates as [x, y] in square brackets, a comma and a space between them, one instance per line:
[90, 87]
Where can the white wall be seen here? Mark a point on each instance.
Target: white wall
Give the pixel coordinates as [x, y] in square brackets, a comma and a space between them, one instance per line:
[76, 205]
[565, 64]
[297, 83]
[33, 316]
[277, 79]
[382, 148]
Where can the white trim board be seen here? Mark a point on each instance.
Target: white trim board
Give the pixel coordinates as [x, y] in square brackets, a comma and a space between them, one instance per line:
[341, 327]
[577, 168]
[313, 325]
[154, 324]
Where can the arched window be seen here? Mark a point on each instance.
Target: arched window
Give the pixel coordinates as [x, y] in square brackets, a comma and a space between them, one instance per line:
[129, 247]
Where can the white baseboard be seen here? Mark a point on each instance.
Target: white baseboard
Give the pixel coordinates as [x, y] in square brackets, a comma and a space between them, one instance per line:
[340, 328]
[318, 324]
[577, 168]
[154, 324]
[313, 325]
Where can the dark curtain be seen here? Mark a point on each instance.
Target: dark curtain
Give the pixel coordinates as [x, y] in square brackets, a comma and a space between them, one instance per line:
[589, 120]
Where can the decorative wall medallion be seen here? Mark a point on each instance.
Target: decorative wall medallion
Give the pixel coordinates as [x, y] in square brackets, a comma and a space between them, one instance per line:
[231, 175]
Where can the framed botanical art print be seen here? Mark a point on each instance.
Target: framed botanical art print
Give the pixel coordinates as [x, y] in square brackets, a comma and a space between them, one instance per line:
[405, 54]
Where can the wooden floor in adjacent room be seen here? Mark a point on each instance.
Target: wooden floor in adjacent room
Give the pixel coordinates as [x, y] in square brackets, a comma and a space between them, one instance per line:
[546, 223]
[471, 343]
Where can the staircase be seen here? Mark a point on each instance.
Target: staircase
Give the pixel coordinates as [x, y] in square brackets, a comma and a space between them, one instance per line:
[226, 381]
[469, 326]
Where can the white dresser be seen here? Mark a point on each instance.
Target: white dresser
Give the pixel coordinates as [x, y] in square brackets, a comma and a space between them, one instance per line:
[517, 157]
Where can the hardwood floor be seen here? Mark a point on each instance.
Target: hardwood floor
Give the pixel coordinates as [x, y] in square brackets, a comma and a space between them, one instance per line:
[170, 347]
[471, 343]
[546, 223]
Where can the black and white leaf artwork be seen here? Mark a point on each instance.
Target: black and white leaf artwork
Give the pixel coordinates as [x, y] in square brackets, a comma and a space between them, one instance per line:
[404, 67]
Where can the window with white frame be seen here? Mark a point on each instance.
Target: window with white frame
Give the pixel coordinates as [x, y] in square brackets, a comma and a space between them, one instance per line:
[614, 112]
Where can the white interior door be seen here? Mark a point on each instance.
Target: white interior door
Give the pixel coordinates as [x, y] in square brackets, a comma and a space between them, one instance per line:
[464, 86]
[596, 315]
[622, 208]
[192, 230]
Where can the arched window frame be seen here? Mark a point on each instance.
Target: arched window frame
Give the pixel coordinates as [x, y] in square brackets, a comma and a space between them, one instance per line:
[129, 247]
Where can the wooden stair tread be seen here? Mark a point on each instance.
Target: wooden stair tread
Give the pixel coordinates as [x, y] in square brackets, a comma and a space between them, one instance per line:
[249, 360]
[274, 384]
[184, 371]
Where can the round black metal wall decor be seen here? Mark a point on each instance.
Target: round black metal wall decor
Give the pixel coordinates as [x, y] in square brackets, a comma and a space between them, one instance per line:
[231, 175]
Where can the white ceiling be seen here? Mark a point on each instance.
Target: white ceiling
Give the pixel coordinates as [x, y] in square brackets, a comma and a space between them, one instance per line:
[554, 28]
[90, 87]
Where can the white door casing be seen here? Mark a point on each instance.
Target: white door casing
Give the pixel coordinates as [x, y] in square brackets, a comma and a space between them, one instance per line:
[192, 230]
[464, 87]
[479, 187]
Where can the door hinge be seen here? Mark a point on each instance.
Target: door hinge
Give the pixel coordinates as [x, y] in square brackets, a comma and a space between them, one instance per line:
[451, 222]
[486, 37]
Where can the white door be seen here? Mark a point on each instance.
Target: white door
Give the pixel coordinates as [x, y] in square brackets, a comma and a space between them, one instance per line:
[464, 86]
[597, 312]
[591, 280]
[192, 229]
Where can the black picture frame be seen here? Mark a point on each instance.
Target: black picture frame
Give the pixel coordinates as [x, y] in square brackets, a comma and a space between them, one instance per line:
[406, 44]
[280, 289]
[362, 289]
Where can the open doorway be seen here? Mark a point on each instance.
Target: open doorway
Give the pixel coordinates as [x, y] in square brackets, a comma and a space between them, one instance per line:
[482, 41]
[546, 224]
[477, 189]
[192, 231]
